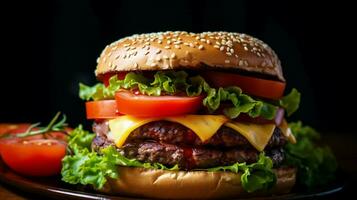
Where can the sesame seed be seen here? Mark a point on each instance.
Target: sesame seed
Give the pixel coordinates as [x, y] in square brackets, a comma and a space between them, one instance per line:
[245, 48]
[227, 61]
[153, 65]
[203, 40]
[158, 58]
[208, 41]
[228, 53]
[168, 42]
[221, 48]
[165, 57]
[146, 53]
[167, 47]
[158, 51]
[136, 65]
[98, 59]
[246, 63]
[159, 41]
[173, 55]
[240, 63]
[216, 46]
[232, 50]
[192, 45]
[177, 46]
[126, 45]
[200, 47]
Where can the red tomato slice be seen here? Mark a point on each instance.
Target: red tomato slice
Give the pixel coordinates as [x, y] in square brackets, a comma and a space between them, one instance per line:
[37, 157]
[250, 85]
[13, 128]
[156, 106]
[104, 109]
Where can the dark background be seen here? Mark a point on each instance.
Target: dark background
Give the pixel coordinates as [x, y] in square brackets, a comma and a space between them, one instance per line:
[48, 47]
[51, 46]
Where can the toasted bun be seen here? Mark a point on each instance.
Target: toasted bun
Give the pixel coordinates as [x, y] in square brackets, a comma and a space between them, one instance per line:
[182, 50]
[162, 184]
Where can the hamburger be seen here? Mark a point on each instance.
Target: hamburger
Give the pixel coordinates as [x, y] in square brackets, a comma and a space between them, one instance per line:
[183, 115]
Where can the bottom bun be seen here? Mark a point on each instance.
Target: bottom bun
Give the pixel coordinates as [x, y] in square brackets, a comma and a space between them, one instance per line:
[163, 184]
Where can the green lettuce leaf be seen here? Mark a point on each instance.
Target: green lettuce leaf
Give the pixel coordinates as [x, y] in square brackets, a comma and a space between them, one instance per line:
[316, 164]
[290, 102]
[255, 176]
[80, 139]
[91, 168]
[87, 167]
[171, 82]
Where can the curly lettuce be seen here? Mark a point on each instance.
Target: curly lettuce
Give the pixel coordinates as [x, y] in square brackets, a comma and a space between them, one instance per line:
[171, 82]
[87, 167]
[316, 164]
[255, 176]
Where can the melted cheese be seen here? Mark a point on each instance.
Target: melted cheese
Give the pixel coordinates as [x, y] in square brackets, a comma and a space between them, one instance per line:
[257, 135]
[284, 127]
[205, 126]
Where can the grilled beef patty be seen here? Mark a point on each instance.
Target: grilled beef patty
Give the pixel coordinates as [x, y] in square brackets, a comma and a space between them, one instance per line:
[171, 143]
[174, 133]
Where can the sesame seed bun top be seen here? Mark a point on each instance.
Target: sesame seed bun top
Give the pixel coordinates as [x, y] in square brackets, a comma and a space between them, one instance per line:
[183, 50]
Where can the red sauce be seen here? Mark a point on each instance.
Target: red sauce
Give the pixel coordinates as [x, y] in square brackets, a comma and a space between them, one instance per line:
[190, 137]
[188, 154]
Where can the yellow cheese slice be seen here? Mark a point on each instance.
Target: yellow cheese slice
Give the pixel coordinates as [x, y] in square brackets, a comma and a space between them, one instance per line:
[257, 135]
[122, 126]
[205, 126]
[284, 127]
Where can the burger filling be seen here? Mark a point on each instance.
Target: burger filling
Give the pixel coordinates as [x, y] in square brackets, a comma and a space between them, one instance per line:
[171, 143]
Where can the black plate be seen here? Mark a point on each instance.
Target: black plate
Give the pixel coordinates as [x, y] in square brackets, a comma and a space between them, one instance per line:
[53, 187]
